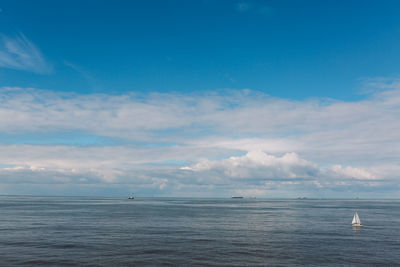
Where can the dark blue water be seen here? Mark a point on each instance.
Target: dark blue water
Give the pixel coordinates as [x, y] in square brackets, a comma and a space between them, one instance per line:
[227, 232]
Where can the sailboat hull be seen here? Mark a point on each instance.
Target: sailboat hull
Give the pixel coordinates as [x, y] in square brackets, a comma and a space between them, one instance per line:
[357, 225]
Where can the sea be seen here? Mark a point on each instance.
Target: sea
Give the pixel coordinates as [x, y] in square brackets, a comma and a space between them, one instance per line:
[100, 231]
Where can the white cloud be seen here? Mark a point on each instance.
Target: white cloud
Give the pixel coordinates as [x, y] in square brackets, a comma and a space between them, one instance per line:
[21, 54]
[356, 173]
[257, 164]
[258, 173]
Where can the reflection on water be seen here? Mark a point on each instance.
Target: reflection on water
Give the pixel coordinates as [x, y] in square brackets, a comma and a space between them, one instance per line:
[357, 228]
[177, 231]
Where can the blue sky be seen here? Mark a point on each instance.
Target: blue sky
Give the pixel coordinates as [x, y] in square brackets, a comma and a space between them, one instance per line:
[266, 98]
[294, 49]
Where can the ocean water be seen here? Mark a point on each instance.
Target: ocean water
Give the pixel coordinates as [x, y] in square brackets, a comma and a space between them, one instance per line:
[83, 231]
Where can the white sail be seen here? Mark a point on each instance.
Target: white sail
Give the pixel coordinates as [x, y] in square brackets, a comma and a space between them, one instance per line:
[356, 219]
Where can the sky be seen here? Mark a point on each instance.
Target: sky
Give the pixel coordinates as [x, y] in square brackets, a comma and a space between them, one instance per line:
[206, 98]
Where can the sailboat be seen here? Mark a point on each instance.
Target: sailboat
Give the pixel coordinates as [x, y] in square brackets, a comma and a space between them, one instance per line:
[356, 220]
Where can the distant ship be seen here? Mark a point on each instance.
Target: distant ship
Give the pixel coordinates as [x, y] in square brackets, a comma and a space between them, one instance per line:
[356, 220]
[236, 197]
[131, 197]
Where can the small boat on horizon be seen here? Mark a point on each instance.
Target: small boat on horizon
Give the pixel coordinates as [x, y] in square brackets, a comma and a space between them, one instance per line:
[356, 220]
[131, 197]
[237, 197]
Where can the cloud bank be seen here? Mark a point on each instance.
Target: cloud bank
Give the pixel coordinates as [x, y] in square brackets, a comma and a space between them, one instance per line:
[212, 144]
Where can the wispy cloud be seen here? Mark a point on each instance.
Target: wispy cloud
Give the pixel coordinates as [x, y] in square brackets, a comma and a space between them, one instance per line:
[243, 6]
[84, 73]
[252, 6]
[21, 54]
